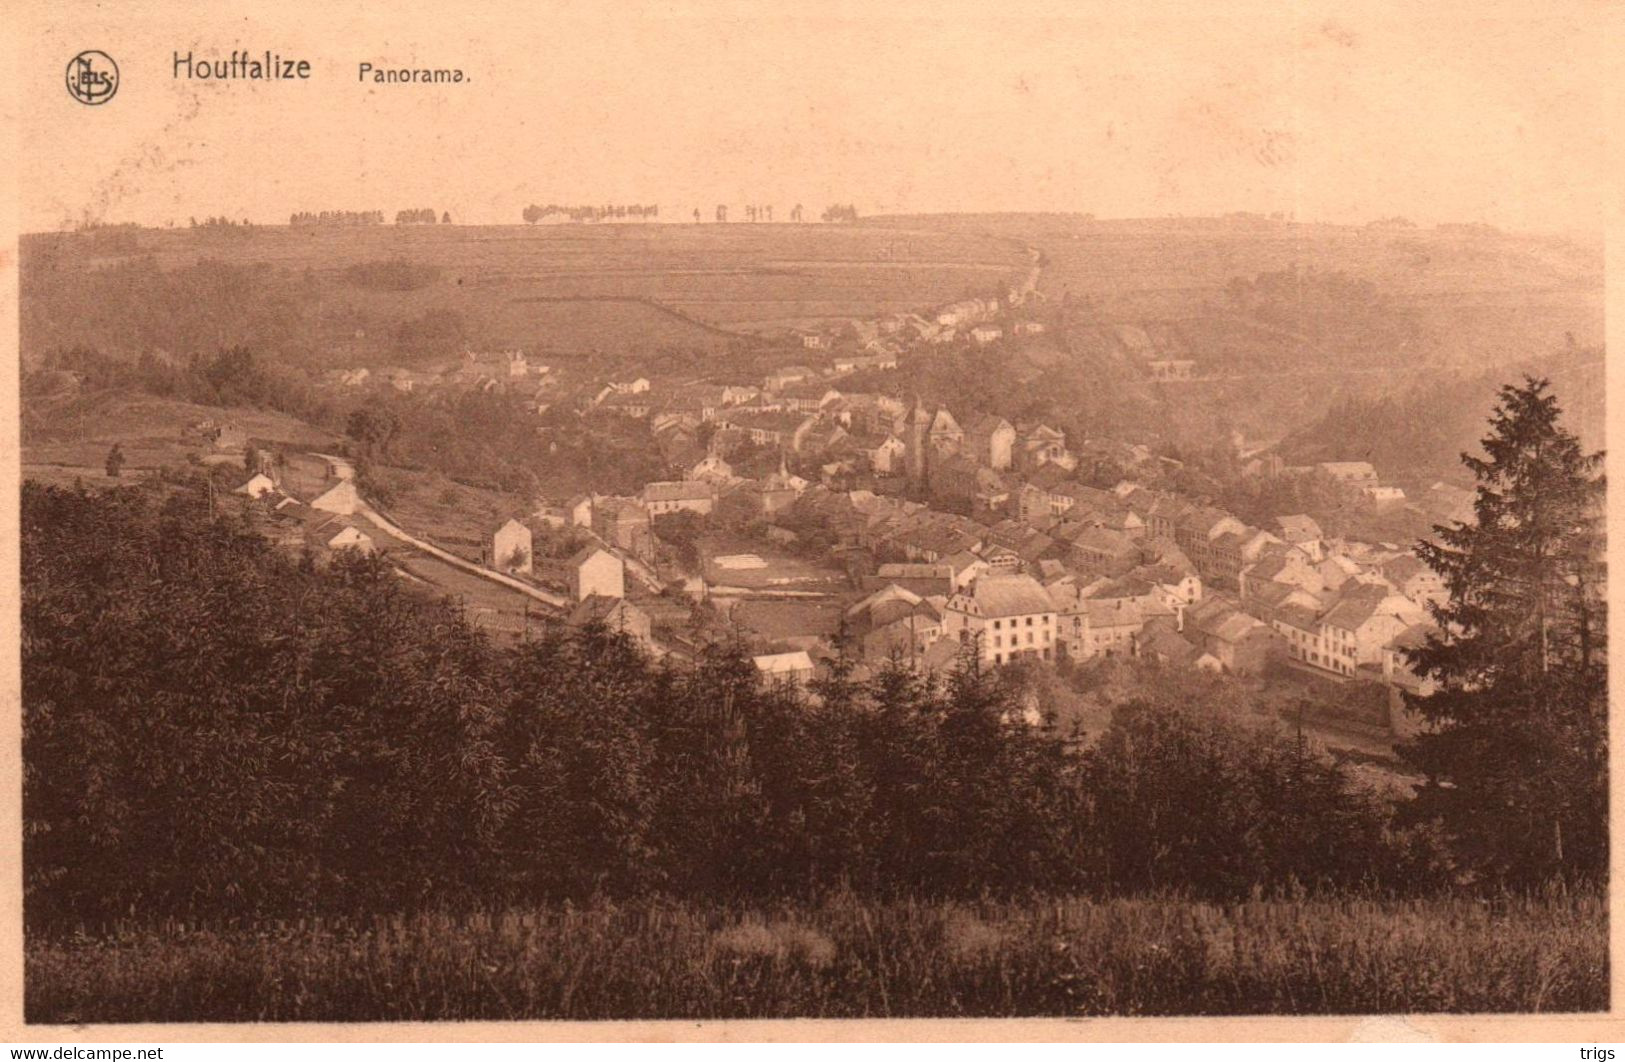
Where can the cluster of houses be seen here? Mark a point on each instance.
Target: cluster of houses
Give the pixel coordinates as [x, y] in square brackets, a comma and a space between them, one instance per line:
[1014, 553]
[322, 526]
[595, 575]
[509, 371]
[1126, 572]
[975, 319]
[1014, 557]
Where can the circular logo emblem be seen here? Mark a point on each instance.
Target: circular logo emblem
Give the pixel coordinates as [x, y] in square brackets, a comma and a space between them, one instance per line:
[92, 77]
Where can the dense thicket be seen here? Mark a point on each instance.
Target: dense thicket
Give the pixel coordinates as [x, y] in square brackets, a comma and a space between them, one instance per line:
[216, 728]
[1417, 434]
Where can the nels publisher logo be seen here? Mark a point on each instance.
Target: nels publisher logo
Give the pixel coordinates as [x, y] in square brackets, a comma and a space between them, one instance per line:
[92, 77]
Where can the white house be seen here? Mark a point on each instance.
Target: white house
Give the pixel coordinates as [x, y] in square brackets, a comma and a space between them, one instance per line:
[991, 441]
[579, 509]
[511, 548]
[257, 486]
[795, 669]
[595, 570]
[1364, 619]
[323, 531]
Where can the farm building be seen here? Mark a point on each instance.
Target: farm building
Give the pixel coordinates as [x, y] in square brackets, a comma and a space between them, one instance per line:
[328, 533]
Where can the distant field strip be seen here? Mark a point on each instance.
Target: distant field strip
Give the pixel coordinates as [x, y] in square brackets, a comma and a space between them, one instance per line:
[906, 263]
[638, 300]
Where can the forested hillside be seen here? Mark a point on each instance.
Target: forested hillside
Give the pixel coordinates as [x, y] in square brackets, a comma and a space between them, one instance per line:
[305, 738]
[1417, 435]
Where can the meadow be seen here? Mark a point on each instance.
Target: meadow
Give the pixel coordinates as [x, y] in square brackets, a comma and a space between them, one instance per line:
[846, 958]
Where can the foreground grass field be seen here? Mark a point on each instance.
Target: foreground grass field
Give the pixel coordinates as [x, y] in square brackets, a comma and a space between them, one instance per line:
[848, 959]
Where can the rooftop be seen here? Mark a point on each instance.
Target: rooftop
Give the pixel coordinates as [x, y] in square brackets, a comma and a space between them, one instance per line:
[783, 663]
[1010, 595]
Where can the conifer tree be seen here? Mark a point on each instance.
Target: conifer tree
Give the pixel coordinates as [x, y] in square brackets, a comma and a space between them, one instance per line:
[1515, 753]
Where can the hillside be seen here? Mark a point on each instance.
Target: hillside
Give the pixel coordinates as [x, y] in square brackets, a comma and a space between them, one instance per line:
[1465, 296]
[66, 436]
[1278, 322]
[1414, 438]
[323, 297]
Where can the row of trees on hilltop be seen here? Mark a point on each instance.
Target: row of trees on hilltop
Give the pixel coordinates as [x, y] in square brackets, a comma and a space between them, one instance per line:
[422, 216]
[753, 213]
[336, 217]
[607, 212]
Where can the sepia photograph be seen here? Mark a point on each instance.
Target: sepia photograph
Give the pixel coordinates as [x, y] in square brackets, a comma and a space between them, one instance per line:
[684, 512]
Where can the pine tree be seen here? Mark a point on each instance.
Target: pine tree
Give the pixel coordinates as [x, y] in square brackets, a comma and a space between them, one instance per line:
[1515, 753]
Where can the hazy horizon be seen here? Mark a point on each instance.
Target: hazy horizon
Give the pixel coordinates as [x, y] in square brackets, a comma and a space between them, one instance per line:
[172, 224]
[1337, 118]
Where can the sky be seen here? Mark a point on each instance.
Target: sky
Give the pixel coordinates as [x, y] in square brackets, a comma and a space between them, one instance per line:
[1344, 114]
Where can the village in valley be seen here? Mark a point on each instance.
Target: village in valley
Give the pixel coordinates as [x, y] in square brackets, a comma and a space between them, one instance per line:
[821, 521]
[725, 519]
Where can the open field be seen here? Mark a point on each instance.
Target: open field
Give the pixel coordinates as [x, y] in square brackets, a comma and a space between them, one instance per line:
[847, 958]
[561, 289]
[780, 570]
[503, 613]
